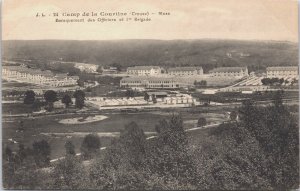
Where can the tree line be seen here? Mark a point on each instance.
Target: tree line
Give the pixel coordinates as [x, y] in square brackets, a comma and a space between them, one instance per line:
[50, 96]
[277, 81]
[257, 150]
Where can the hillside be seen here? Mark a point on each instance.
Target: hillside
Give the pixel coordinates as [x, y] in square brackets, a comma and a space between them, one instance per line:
[207, 53]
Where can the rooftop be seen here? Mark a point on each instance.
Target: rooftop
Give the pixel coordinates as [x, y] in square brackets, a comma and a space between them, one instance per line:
[185, 69]
[282, 68]
[229, 69]
[134, 78]
[46, 73]
[143, 68]
[158, 93]
[23, 69]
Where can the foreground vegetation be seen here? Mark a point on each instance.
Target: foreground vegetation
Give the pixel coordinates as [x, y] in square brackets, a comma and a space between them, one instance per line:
[260, 150]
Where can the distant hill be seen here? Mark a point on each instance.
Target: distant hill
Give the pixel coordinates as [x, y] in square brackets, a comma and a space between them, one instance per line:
[206, 53]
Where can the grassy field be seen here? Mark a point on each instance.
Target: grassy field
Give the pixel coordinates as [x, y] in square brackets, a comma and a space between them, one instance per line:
[16, 84]
[34, 127]
[50, 124]
[16, 108]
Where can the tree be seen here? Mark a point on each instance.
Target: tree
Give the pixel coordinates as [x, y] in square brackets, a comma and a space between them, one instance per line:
[276, 131]
[70, 148]
[25, 177]
[146, 97]
[195, 83]
[66, 100]
[8, 154]
[70, 174]
[286, 81]
[203, 83]
[21, 126]
[277, 97]
[36, 106]
[80, 82]
[90, 145]
[99, 70]
[154, 100]
[171, 156]
[201, 122]
[129, 93]
[233, 115]
[50, 97]
[29, 97]
[133, 141]
[230, 158]
[122, 165]
[294, 81]
[272, 81]
[41, 153]
[265, 81]
[117, 65]
[281, 81]
[79, 96]
[21, 154]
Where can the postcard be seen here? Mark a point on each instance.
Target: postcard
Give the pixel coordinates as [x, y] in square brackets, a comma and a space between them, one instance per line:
[150, 95]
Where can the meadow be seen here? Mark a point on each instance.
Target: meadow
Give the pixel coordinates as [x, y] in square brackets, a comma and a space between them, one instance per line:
[46, 126]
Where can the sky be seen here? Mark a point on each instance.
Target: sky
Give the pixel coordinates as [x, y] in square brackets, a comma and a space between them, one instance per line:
[188, 19]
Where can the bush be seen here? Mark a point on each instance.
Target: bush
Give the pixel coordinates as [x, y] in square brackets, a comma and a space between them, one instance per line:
[41, 153]
[90, 146]
[70, 148]
[201, 122]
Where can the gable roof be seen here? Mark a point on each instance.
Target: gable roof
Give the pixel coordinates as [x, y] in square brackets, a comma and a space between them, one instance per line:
[158, 93]
[148, 78]
[229, 69]
[184, 69]
[21, 69]
[282, 68]
[45, 73]
[143, 68]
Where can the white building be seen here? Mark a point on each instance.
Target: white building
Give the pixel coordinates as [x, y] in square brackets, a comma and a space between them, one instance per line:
[144, 70]
[149, 82]
[90, 68]
[36, 76]
[282, 72]
[185, 71]
[83, 67]
[236, 72]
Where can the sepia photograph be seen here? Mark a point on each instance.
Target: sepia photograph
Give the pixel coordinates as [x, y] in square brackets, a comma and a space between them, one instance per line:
[150, 95]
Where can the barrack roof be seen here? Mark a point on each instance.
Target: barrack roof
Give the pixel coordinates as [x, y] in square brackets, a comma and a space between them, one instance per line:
[185, 68]
[134, 78]
[143, 67]
[282, 68]
[46, 73]
[229, 69]
[157, 93]
[31, 71]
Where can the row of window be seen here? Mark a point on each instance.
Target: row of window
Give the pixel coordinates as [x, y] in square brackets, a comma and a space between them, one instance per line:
[229, 72]
[183, 72]
[282, 72]
[228, 75]
[150, 82]
[141, 71]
